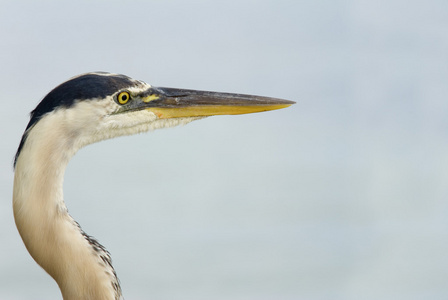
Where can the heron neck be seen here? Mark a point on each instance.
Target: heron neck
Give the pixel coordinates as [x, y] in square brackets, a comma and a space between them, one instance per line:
[79, 264]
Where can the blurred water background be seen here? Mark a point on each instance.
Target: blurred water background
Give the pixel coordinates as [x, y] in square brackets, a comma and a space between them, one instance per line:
[342, 196]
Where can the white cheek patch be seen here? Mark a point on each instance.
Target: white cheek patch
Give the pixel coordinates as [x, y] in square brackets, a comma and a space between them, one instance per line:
[128, 120]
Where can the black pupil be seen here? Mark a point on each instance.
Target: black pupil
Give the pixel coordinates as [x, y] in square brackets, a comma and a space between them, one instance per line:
[124, 97]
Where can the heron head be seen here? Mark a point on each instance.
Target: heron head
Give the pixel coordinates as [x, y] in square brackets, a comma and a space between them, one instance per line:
[97, 106]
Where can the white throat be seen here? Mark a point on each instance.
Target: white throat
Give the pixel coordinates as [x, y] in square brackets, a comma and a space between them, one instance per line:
[79, 265]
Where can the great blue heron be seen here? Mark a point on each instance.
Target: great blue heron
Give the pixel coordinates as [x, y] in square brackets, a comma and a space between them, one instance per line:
[83, 110]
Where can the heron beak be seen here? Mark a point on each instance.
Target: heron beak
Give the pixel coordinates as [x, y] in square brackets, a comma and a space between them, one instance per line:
[169, 103]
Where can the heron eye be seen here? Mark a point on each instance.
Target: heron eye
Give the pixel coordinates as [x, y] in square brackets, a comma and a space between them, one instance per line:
[123, 97]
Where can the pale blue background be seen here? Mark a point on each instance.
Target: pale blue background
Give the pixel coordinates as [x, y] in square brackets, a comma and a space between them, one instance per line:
[343, 196]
